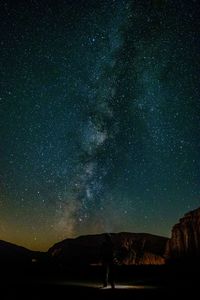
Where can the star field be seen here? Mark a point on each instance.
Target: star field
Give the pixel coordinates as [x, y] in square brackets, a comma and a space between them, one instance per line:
[99, 117]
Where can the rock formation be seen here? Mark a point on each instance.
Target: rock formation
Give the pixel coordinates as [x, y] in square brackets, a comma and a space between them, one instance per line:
[185, 239]
[130, 248]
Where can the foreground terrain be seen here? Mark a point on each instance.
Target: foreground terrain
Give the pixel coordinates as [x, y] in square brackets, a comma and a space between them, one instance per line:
[138, 282]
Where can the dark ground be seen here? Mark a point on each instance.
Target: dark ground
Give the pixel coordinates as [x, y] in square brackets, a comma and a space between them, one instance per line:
[132, 282]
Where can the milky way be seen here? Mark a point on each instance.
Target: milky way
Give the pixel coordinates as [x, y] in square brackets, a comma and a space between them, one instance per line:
[99, 117]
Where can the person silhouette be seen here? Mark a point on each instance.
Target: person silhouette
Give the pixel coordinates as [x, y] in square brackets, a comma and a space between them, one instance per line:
[108, 261]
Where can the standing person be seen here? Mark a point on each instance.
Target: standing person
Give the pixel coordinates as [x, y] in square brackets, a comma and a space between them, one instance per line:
[108, 261]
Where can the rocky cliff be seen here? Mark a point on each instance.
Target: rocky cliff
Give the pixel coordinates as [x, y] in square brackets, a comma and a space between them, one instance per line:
[130, 248]
[185, 238]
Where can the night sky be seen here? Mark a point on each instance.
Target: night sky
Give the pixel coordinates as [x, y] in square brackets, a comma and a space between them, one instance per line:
[99, 117]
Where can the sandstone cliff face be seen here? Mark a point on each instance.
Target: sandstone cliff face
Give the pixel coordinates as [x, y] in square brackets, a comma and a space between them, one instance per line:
[130, 248]
[185, 239]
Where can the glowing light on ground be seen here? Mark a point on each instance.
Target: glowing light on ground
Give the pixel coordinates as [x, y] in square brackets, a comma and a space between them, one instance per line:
[98, 286]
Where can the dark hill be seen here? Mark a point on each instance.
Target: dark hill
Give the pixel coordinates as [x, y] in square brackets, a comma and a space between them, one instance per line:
[9, 251]
[130, 248]
[12, 255]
